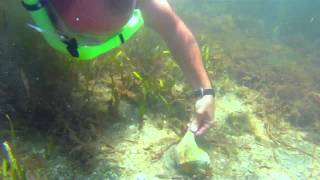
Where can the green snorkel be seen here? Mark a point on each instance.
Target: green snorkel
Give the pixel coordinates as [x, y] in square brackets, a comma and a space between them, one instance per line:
[69, 45]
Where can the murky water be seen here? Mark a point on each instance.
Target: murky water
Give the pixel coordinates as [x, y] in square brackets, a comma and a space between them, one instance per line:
[121, 116]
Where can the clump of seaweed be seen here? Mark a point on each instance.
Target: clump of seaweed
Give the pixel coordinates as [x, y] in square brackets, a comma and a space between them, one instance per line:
[239, 123]
[11, 169]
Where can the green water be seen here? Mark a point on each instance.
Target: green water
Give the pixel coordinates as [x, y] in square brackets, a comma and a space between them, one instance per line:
[121, 119]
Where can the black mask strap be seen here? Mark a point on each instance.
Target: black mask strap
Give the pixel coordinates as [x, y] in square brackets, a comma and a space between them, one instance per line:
[72, 46]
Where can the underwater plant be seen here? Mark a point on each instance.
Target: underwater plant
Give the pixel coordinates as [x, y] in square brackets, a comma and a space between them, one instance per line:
[12, 131]
[11, 169]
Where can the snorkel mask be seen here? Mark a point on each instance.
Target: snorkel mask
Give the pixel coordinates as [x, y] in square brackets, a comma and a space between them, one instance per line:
[69, 45]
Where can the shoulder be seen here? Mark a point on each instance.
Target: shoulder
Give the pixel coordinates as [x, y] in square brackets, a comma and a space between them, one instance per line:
[156, 12]
[149, 5]
[154, 2]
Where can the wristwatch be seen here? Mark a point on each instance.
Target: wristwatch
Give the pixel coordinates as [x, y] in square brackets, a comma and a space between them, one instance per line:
[199, 93]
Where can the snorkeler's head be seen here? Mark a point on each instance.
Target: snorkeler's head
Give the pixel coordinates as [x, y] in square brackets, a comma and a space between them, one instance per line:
[93, 16]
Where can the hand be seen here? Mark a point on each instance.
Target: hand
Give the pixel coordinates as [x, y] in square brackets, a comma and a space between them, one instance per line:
[203, 120]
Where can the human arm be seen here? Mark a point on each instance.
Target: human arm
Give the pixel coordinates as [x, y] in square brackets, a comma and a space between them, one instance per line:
[159, 16]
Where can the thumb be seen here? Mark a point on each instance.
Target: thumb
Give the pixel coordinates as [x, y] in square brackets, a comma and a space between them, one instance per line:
[194, 126]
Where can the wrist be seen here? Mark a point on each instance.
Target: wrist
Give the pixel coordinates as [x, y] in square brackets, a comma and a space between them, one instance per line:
[201, 92]
[205, 85]
[201, 81]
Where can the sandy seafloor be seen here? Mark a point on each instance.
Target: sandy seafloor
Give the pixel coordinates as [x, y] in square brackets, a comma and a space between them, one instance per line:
[124, 152]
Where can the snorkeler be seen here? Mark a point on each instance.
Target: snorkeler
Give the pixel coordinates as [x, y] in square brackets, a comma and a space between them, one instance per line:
[87, 29]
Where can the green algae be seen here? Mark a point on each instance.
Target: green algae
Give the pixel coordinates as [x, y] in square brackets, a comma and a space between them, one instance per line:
[11, 169]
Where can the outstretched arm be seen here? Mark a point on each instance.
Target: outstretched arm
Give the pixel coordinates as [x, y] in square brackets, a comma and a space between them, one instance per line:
[159, 16]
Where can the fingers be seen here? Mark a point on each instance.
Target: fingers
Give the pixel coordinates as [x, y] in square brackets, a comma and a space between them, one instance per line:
[204, 115]
[204, 122]
[194, 126]
[203, 128]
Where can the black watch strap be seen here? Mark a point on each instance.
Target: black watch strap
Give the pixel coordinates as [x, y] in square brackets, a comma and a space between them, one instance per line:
[202, 92]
